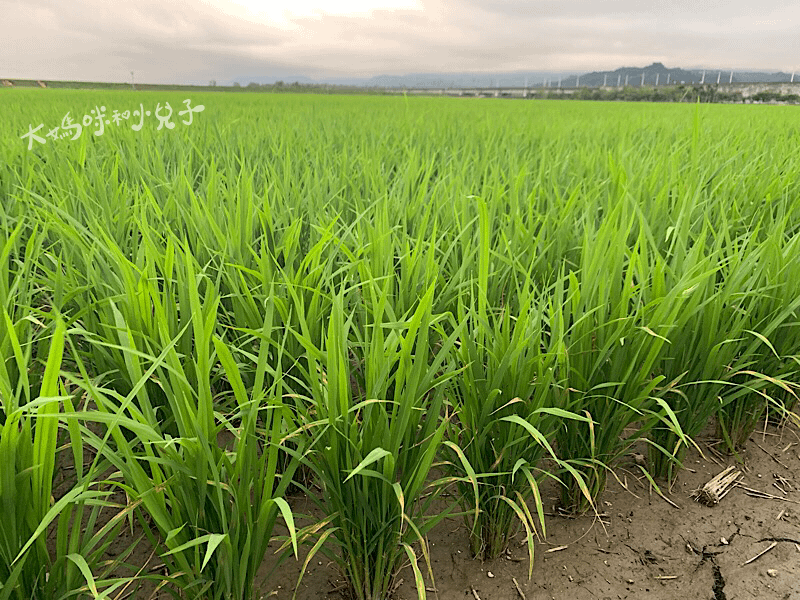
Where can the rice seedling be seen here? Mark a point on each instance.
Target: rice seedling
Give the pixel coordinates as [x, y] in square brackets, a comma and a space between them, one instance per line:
[32, 393]
[28, 444]
[690, 362]
[763, 370]
[503, 425]
[608, 343]
[212, 492]
[372, 450]
[504, 418]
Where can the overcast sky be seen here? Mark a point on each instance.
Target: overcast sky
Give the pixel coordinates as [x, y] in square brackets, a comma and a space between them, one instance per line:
[183, 41]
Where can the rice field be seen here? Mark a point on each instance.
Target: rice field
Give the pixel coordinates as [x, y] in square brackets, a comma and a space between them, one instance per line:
[394, 305]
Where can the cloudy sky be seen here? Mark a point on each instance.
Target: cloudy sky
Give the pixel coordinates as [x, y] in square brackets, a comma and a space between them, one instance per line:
[183, 41]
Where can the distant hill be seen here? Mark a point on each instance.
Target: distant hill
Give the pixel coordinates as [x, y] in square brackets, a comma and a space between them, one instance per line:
[457, 80]
[269, 80]
[420, 80]
[633, 76]
[652, 73]
[657, 72]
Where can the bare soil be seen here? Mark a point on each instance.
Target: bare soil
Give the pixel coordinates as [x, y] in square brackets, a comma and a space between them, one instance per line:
[639, 547]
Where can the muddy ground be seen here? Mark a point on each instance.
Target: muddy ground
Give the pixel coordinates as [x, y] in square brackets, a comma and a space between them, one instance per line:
[644, 547]
[641, 546]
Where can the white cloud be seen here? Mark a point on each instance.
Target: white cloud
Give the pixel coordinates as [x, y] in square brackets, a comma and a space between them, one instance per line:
[283, 14]
[194, 40]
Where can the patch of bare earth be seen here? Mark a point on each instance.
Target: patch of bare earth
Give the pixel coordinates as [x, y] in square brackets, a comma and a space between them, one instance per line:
[643, 548]
[640, 546]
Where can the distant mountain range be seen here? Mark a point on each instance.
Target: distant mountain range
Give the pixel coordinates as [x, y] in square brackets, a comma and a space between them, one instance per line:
[423, 80]
[656, 72]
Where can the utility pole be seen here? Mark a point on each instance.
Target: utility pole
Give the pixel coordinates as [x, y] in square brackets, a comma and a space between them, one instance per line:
[703, 78]
[619, 78]
[718, 76]
[559, 82]
[731, 79]
[668, 74]
[133, 88]
[642, 79]
[578, 81]
[605, 79]
[657, 74]
[792, 80]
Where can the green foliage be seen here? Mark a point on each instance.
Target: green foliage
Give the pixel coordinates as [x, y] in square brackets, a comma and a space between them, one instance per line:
[374, 441]
[393, 296]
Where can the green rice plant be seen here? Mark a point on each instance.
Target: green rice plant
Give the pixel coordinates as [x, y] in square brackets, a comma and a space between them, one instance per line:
[74, 565]
[698, 344]
[504, 419]
[607, 345]
[752, 394]
[297, 286]
[31, 395]
[504, 423]
[764, 370]
[211, 494]
[373, 449]
[705, 360]
[648, 253]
